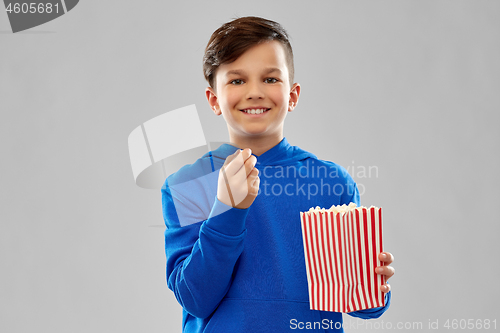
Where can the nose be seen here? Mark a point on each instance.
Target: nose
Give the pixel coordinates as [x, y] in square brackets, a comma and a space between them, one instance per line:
[255, 90]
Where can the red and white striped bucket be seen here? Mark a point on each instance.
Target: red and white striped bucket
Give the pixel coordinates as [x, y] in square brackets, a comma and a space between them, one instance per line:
[341, 253]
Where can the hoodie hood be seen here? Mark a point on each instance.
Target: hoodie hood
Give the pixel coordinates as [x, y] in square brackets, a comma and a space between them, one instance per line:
[208, 165]
[281, 154]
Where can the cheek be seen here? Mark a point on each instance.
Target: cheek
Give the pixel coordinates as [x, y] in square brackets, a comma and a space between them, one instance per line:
[279, 97]
[230, 98]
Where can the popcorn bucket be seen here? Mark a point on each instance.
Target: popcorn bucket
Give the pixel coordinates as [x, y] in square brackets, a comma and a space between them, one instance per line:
[341, 247]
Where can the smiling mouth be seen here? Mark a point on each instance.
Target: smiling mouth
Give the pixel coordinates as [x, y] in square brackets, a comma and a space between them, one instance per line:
[255, 111]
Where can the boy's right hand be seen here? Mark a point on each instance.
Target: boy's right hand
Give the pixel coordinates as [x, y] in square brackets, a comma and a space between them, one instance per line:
[239, 180]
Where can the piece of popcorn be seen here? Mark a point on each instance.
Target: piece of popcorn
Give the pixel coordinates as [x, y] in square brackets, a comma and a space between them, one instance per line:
[337, 209]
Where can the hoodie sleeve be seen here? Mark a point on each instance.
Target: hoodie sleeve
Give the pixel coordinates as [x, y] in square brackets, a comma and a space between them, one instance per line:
[200, 257]
[375, 312]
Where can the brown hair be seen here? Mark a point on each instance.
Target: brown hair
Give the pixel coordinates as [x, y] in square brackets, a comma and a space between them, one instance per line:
[232, 39]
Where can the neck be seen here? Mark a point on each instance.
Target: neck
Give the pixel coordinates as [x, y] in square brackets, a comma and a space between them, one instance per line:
[258, 145]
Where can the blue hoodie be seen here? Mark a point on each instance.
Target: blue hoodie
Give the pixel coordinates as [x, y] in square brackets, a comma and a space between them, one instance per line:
[243, 270]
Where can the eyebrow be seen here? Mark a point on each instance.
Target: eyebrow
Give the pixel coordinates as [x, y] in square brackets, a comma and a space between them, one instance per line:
[241, 72]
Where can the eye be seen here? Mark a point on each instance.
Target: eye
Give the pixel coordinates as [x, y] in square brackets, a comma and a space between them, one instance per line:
[272, 78]
[232, 82]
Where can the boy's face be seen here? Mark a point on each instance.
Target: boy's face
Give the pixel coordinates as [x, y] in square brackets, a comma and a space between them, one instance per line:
[257, 79]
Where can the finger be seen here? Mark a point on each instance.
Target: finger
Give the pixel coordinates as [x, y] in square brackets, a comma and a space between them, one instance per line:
[254, 187]
[235, 177]
[239, 161]
[385, 288]
[248, 158]
[387, 271]
[253, 177]
[250, 165]
[386, 257]
[252, 182]
[257, 180]
[234, 163]
[254, 174]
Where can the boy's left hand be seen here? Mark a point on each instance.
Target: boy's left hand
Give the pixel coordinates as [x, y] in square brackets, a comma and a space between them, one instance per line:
[385, 270]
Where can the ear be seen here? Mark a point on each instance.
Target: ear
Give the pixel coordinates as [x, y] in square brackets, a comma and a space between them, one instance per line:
[212, 101]
[294, 97]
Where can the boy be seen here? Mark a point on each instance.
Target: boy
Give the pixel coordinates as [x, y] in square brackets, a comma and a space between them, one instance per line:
[233, 242]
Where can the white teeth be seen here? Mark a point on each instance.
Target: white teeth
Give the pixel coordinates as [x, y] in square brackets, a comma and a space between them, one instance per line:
[255, 111]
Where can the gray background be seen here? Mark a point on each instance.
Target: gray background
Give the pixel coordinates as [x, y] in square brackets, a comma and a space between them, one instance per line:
[409, 88]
